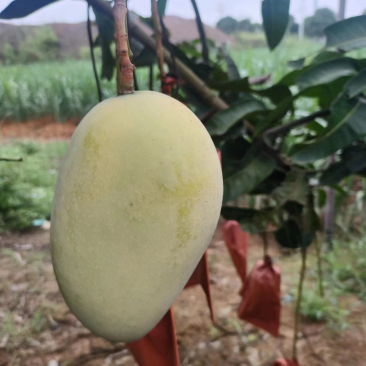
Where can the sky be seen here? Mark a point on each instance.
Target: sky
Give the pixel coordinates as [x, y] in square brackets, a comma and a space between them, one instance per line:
[73, 11]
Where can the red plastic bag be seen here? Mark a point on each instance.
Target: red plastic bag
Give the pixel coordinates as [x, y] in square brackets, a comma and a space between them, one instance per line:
[159, 347]
[201, 276]
[237, 243]
[261, 305]
[167, 84]
[286, 362]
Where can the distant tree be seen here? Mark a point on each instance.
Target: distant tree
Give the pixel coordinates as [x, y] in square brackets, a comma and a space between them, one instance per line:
[227, 25]
[364, 12]
[315, 25]
[245, 25]
[293, 26]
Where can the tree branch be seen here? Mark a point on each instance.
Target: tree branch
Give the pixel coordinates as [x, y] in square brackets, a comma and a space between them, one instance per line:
[201, 31]
[125, 77]
[283, 129]
[158, 38]
[90, 37]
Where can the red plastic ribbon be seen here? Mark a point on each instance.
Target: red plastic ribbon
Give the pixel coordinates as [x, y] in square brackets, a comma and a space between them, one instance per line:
[159, 347]
[237, 244]
[286, 362]
[201, 277]
[261, 305]
[167, 84]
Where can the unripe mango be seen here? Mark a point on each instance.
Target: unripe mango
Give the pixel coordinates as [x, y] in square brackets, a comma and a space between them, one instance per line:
[136, 204]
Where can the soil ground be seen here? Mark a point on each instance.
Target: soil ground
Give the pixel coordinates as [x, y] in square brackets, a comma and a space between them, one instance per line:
[38, 329]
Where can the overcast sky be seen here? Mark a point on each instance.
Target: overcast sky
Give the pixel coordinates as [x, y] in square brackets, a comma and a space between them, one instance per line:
[72, 11]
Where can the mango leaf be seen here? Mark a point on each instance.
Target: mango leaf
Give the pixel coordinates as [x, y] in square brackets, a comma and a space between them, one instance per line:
[347, 123]
[241, 85]
[275, 15]
[353, 161]
[326, 93]
[318, 59]
[275, 115]
[232, 69]
[257, 165]
[356, 85]
[162, 6]
[223, 120]
[348, 34]
[250, 220]
[270, 183]
[106, 29]
[276, 93]
[327, 72]
[310, 221]
[295, 188]
[289, 235]
[22, 8]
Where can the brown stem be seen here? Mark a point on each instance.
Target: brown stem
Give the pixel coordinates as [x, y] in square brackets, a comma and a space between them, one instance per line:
[320, 270]
[125, 77]
[298, 302]
[158, 38]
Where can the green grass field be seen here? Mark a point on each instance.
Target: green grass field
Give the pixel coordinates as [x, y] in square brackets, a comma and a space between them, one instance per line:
[67, 89]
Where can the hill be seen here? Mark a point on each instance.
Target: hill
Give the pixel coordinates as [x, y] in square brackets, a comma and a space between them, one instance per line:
[72, 38]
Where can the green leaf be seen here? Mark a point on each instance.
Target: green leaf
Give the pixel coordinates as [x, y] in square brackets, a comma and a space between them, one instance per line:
[250, 220]
[270, 183]
[347, 123]
[327, 72]
[162, 6]
[353, 161]
[276, 93]
[241, 85]
[275, 15]
[223, 120]
[295, 188]
[297, 64]
[144, 58]
[256, 167]
[22, 8]
[356, 85]
[232, 69]
[326, 93]
[324, 56]
[275, 115]
[348, 34]
[289, 235]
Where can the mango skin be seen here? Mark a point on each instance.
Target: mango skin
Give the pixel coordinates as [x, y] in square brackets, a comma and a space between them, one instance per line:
[136, 205]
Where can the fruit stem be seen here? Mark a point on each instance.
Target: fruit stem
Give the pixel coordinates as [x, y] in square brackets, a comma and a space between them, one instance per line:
[158, 38]
[125, 67]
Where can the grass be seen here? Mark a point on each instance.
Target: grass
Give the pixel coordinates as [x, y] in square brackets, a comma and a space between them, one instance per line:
[344, 271]
[26, 188]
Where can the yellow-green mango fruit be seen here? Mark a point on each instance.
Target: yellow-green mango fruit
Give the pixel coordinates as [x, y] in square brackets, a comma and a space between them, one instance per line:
[136, 204]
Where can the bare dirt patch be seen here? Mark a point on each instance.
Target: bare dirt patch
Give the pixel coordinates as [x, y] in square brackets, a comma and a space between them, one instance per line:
[43, 129]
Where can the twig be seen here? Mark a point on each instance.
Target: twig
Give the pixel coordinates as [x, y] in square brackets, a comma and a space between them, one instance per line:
[125, 79]
[320, 270]
[158, 39]
[298, 303]
[90, 37]
[16, 160]
[201, 31]
[310, 346]
[283, 129]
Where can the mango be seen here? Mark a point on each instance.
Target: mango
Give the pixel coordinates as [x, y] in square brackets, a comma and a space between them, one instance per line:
[136, 204]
